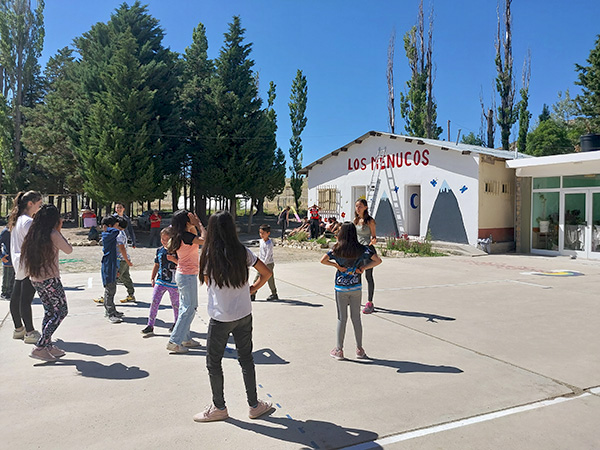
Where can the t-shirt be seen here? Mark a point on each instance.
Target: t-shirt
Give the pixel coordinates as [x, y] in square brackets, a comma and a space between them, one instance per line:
[229, 304]
[188, 255]
[17, 236]
[155, 221]
[109, 258]
[60, 243]
[314, 213]
[265, 253]
[5, 245]
[350, 280]
[122, 240]
[166, 269]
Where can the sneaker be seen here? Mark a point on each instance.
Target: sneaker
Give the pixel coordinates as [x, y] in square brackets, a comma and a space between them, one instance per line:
[260, 409]
[360, 353]
[211, 414]
[129, 298]
[42, 353]
[369, 308]
[174, 348]
[56, 352]
[19, 334]
[32, 337]
[99, 300]
[118, 314]
[148, 330]
[337, 353]
[191, 343]
[273, 297]
[114, 319]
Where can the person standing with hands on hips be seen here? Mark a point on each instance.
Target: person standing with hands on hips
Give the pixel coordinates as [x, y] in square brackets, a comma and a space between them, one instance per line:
[367, 235]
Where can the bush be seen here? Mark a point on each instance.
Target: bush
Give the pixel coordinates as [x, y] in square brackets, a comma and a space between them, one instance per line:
[301, 236]
[322, 240]
[404, 244]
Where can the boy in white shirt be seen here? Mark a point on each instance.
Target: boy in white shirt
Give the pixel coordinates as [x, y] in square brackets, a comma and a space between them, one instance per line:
[265, 254]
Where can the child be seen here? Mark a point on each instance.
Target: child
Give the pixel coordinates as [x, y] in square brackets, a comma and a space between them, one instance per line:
[109, 268]
[8, 275]
[39, 255]
[26, 204]
[120, 214]
[187, 236]
[224, 264]
[154, 228]
[350, 258]
[367, 235]
[124, 261]
[265, 254]
[163, 280]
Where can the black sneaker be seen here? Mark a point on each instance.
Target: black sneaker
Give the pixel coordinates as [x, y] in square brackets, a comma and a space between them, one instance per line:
[148, 330]
[273, 297]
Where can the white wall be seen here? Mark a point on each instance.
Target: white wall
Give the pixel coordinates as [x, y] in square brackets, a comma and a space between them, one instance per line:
[457, 170]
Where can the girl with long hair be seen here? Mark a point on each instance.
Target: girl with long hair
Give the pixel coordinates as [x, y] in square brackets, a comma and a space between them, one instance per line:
[39, 255]
[186, 238]
[224, 265]
[367, 235]
[25, 205]
[351, 259]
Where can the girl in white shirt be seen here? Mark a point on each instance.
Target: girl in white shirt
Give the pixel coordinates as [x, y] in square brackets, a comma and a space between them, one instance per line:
[39, 255]
[224, 264]
[26, 204]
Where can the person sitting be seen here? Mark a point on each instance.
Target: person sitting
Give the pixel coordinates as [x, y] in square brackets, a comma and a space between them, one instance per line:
[304, 227]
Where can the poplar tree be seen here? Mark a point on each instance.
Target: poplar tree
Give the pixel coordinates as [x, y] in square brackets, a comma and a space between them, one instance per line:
[297, 105]
[129, 121]
[524, 114]
[507, 114]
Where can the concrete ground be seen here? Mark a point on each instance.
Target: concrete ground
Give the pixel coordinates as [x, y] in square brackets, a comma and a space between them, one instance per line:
[466, 353]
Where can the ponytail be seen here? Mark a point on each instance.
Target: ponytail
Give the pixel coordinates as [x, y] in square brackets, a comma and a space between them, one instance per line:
[20, 204]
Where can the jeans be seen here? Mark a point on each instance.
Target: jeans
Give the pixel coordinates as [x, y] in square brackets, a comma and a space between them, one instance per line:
[109, 298]
[188, 303]
[20, 304]
[216, 341]
[154, 237]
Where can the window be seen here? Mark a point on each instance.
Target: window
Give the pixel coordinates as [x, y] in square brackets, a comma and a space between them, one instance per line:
[328, 199]
[546, 183]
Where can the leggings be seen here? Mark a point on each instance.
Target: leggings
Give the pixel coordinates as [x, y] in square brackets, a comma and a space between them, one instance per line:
[20, 304]
[370, 284]
[157, 295]
[343, 300]
[53, 298]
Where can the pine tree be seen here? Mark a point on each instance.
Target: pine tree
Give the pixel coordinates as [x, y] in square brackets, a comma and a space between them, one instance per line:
[297, 105]
[589, 80]
[129, 120]
[507, 115]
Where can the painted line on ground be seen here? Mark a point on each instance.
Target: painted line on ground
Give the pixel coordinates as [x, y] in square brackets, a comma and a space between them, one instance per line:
[90, 282]
[461, 423]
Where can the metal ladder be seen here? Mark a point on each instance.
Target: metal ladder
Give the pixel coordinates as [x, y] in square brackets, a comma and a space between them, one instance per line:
[375, 184]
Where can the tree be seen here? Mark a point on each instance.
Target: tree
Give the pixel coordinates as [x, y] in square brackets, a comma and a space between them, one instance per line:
[199, 118]
[390, 82]
[297, 105]
[549, 138]
[238, 139]
[524, 114]
[472, 139]
[545, 114]
[21, 44]
[48, 130]
[129, 120]
[417, 106]
[589, 80]
[504, 81]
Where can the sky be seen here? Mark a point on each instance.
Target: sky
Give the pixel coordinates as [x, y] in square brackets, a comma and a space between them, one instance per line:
[341, 47]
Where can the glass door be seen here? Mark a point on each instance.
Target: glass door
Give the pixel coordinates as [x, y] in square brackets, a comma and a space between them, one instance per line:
[595, 226]
[575, 231]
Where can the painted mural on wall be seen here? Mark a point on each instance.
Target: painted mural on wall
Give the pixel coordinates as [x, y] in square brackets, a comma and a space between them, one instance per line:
[446, 220]
[385, 218]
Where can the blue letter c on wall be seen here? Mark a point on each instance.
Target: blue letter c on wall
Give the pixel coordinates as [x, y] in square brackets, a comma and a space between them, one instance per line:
[413, 201]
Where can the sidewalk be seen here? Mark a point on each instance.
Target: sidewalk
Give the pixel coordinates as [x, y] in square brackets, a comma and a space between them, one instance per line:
[456, 345]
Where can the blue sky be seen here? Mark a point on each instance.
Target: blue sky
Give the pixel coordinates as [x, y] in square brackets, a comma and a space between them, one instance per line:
[341, 46]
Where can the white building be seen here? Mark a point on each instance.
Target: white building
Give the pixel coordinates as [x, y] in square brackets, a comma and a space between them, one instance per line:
[457, 192]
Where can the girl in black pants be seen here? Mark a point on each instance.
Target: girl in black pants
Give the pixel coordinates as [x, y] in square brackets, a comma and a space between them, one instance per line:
[224, 264]
[26, 204]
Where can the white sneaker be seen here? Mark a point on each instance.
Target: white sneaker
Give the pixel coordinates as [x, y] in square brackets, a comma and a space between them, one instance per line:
[32, 337]
[191, 343]
[19, 334]
[174, 348]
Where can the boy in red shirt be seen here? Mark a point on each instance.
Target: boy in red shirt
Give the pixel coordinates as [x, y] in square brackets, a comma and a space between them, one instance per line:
[155, 229]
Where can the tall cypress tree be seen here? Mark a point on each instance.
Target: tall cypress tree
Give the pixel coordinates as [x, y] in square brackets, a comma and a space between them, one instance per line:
[589, 80]
[129, 120]
[507, 113]
[237, 137]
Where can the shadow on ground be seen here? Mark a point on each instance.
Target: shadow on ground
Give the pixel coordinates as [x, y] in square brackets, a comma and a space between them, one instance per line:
[310, 433]
[406, 366]
[85, 348]
[93, 369]
[291, 302]
[430, 317]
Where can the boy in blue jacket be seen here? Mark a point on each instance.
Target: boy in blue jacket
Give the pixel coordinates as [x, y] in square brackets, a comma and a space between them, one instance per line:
[110, 268]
